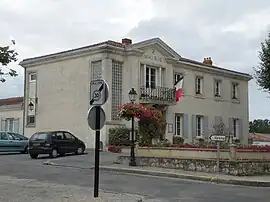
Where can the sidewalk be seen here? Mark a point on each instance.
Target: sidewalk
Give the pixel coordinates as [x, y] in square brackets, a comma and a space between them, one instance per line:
[257, 181]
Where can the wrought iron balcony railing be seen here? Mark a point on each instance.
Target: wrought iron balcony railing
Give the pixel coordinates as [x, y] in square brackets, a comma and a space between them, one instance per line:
[158, 93]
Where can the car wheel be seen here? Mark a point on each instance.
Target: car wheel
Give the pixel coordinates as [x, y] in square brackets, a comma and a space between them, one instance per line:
[80, 150]
[34, 156]
[26, 150]
[54, 153]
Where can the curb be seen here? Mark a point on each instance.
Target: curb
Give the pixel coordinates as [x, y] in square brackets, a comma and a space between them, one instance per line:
[215, 179]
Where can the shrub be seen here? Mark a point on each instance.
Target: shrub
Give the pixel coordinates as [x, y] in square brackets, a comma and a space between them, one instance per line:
[151, 126]
[120, 136]
[178, 140]
[162, 143]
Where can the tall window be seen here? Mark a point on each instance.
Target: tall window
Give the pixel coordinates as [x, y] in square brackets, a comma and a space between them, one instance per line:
[96, 70]
[235, 127]
[178, 124]
[217, 85]
[198, 85]
[31, 120]
[199, 126]
[32, 77]
[117, 73]
[151, 77]
[234, 91]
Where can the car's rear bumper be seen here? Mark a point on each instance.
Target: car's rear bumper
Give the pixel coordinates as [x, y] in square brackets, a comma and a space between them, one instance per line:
[40, 150]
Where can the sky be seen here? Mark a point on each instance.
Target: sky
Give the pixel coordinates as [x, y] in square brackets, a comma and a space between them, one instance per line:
[230, 32]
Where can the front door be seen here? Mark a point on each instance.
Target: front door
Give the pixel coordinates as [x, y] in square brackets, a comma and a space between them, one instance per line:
[60, 142]
[71, 143]
[4, 142]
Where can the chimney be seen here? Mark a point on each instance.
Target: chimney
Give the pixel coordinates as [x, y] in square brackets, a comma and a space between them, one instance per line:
[207, 61]
[126, 41]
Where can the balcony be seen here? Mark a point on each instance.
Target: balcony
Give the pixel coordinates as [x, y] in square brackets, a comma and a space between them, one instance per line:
[158, 95]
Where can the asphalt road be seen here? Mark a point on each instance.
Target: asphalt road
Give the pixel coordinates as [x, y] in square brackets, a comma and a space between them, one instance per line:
[162, 189]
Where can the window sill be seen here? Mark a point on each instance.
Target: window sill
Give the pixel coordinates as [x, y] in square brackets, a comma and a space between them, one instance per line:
[30, 126]
[218, 98]
[237, 101]
[199, 137]
[200, 96]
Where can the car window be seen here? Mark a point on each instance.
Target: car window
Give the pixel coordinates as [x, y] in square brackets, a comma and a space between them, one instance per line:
[4, 136]
[39, 136]
[11, 137]
[59, 135]
[17, 135]
[68, 136]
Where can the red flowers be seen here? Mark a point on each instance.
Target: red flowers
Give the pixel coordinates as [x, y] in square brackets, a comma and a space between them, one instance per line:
[129, 110]
[194, 146]
[254, 148]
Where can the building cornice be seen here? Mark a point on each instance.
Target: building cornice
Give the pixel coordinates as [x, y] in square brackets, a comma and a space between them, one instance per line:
[83, 52]
[210, 69]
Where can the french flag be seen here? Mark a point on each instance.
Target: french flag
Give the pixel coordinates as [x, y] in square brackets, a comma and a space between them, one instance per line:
[178, 89]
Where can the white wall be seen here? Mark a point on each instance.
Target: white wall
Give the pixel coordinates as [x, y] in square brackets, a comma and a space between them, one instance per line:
[62, 89]
[12, 113]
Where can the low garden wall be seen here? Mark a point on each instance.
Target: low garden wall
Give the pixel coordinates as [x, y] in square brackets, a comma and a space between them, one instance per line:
[236, 168]
[234, 153]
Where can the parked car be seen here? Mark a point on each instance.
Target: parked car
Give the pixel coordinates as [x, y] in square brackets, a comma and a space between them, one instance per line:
[13, 142]
[54, 143]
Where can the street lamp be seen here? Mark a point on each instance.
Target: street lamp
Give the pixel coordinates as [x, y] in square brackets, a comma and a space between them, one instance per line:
[132, 97]
[32, 103]
[31, 106]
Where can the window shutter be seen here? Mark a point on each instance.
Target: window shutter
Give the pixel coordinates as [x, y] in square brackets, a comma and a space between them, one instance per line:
[241, 135]
[185, 126]
[16, 126]
[193, 126]
[3, 125]
[205, 127]
[142, 75]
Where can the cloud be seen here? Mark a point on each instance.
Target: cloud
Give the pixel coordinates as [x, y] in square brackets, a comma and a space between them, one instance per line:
[228, 31]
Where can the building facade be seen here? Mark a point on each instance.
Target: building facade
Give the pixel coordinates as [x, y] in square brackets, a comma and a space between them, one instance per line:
[57, 90]
[11, 114]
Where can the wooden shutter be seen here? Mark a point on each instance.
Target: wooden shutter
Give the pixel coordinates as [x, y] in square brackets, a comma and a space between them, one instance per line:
[185, 126]
[16, 125]
[205, 127]
[193, 126]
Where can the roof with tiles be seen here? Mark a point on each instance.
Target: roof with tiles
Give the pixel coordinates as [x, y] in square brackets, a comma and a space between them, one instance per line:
[11, 101]
[259, 137]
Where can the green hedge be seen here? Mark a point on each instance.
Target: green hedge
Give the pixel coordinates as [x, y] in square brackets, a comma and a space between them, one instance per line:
[120, 136]
[178, 140]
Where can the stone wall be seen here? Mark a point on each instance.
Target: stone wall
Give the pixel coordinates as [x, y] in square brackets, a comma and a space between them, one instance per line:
[229, 167]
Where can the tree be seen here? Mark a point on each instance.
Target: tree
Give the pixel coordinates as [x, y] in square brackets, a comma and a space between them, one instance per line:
[259, 126]
[262, 72]
[7, 55]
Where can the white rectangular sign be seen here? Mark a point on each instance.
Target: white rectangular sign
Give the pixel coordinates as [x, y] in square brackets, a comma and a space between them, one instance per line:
[219, 138]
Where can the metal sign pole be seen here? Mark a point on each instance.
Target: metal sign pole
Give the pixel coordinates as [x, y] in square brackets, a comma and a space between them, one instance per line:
[218, 155]
[96, 180]
[96, 117]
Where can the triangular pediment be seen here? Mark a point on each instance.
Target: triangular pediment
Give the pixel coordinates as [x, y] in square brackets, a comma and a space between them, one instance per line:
[156, 48]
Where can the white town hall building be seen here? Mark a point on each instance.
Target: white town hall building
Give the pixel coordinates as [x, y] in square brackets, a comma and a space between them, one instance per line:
[58, 85]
